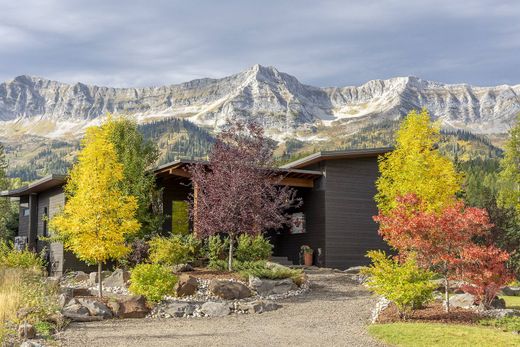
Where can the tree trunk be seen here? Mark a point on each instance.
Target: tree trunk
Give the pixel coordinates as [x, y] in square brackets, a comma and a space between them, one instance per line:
[446, 293]
[99, 279]
[230, 256]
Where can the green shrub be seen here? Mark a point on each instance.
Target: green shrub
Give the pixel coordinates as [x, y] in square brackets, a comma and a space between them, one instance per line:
[506, 323]
[26, 259]
[176, 249]
[253, 248]
[153, 281]
[217, 249]
[407, 285]
[45, 329]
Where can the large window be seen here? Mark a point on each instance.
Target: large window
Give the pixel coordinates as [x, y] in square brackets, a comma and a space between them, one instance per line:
[180, 217]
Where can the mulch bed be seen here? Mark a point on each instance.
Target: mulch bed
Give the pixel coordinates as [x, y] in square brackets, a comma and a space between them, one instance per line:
[432, 313]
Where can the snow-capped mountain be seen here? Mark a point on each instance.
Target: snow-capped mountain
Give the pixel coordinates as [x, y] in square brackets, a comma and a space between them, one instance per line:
[286, 107]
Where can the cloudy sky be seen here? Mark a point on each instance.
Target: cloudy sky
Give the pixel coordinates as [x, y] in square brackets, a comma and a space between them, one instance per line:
[323, 43]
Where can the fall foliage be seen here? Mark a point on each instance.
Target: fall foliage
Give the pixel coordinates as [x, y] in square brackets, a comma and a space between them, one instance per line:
[484, 272]
[97, 216]
[437, 238]
[236, 191]
[416, 167]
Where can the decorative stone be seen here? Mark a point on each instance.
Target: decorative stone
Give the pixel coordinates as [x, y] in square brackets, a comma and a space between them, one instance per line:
[466, 301]
[80, 276]
[96, 308]
[133, 307]
[354, 270]
[215, 309]
[180, 309]
[30, 344]
[500, 313]
[511, 291]
[265, 287]
[182, 268]
[119, 278]
[75, 308]
[93, 277]
[186, 286]
[498, 303]
[27, 331]
[229, 290]
[63, 299]
[53, 281]
[258, 306]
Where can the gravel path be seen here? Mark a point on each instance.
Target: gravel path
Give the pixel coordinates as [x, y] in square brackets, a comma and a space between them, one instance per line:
[334, 313]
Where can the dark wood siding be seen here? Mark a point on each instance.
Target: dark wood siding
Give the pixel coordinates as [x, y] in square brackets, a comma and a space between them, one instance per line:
[350, 205]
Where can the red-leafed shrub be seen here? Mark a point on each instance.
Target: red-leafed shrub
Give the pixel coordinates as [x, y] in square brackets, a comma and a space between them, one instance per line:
[483, 270]
[437, 238]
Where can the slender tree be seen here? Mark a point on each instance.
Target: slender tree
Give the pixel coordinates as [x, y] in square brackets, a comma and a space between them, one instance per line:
[237, 191]
[98, 216]
[138, 156]
[417, 167]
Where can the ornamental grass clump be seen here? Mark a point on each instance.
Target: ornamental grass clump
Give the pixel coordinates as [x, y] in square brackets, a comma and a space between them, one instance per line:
[153, 281]
[405, 284]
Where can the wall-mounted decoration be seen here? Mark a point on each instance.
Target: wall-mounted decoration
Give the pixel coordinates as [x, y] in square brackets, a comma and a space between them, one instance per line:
[297, 223]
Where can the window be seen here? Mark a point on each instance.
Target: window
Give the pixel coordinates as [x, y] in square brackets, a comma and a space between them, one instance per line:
[25, 212]
[180, 217]
[45, 221]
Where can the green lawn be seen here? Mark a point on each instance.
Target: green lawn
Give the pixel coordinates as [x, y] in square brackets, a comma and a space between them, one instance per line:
[439, 335]
[512, 301]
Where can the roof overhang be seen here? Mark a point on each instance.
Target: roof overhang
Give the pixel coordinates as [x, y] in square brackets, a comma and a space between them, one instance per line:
[334, 155]
[289, 177]
[38, 186]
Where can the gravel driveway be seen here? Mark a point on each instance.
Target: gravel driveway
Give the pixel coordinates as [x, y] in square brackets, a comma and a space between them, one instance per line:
[333, 313]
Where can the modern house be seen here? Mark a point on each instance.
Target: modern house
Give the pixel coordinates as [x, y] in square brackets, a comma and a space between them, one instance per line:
[337, 189]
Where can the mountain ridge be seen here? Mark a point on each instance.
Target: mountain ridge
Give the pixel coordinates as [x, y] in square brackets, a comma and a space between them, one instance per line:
[286, 107]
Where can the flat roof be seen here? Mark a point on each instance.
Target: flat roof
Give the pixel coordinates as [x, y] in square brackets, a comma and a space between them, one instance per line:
[179, 167]
[332, 155]
[40, 185]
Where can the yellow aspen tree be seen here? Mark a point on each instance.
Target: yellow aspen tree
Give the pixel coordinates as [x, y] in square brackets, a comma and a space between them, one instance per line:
[97, 216]
[417, 167]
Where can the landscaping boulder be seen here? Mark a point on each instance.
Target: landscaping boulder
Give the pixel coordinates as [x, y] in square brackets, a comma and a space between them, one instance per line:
[182, 268]
[26, 331]
[498, 303]
[63, 299]
[75, 308]
[93, 277]
[229, 290]
[96, 308]
[179, 309]
[265, 287]
[119, 278]
[186, 286]
[30, 344]
[511, 291]
[79, 276]
[500, 313]
[132, 307]
[354, 270]
[258, 306]
[215, 309]
[466, 301]
[53, 281]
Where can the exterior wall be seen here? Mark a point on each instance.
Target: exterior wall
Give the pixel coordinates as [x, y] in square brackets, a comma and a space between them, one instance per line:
[350, 205]
[53, 200]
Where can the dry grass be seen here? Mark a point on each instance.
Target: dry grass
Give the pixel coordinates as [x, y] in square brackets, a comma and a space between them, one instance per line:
[11, 297]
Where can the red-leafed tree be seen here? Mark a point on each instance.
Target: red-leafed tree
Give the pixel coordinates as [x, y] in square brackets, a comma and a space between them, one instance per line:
[483, 270]
[237, 191]
[438, 238]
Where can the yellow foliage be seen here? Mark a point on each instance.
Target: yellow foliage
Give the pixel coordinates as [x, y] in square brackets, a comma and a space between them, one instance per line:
[97, 216]
[417, 167]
